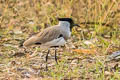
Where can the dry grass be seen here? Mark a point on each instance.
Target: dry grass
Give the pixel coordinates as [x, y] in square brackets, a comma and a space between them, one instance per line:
[99, 34]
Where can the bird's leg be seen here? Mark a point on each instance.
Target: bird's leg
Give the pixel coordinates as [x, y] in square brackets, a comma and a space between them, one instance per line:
[56, 55]
[47, 59]
[47, 55]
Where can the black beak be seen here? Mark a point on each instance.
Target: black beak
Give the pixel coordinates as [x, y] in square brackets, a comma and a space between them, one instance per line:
[76, 25]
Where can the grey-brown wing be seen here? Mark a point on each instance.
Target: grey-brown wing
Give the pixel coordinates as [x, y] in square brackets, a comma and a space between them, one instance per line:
[48, 35]
[45, 36]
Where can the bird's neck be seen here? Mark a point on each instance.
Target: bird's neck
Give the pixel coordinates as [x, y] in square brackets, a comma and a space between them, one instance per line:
[64, 24]
[65, 27]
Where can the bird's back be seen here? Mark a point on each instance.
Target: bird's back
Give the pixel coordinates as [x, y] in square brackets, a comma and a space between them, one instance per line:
[47, 35]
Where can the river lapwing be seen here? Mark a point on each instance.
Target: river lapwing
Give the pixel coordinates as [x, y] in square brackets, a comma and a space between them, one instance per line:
[54, 36]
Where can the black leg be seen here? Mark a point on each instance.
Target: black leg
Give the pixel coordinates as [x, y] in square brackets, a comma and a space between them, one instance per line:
[56, 56]
[47, 55]
[47, 59]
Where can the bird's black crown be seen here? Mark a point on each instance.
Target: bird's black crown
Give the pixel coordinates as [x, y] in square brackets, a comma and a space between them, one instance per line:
[70, 21]
[66, 19]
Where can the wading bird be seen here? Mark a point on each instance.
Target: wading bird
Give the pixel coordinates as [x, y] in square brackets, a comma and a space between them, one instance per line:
[54, 36]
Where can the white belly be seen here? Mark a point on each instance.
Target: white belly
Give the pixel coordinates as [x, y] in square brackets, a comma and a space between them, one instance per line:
[56, 42]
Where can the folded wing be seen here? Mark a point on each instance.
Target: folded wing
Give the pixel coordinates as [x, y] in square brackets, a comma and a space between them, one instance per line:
[43, 37]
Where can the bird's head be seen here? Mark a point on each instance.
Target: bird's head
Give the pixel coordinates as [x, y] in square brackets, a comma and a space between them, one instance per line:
[72, 24]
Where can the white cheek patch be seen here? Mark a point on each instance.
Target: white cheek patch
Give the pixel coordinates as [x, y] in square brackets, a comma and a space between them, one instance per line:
[56, 42]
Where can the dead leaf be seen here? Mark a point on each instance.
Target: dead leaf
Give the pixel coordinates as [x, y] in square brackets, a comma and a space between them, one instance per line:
[107, 73]
[86, 51]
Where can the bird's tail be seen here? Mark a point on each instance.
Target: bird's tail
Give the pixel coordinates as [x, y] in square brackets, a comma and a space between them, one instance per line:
[30, 41]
